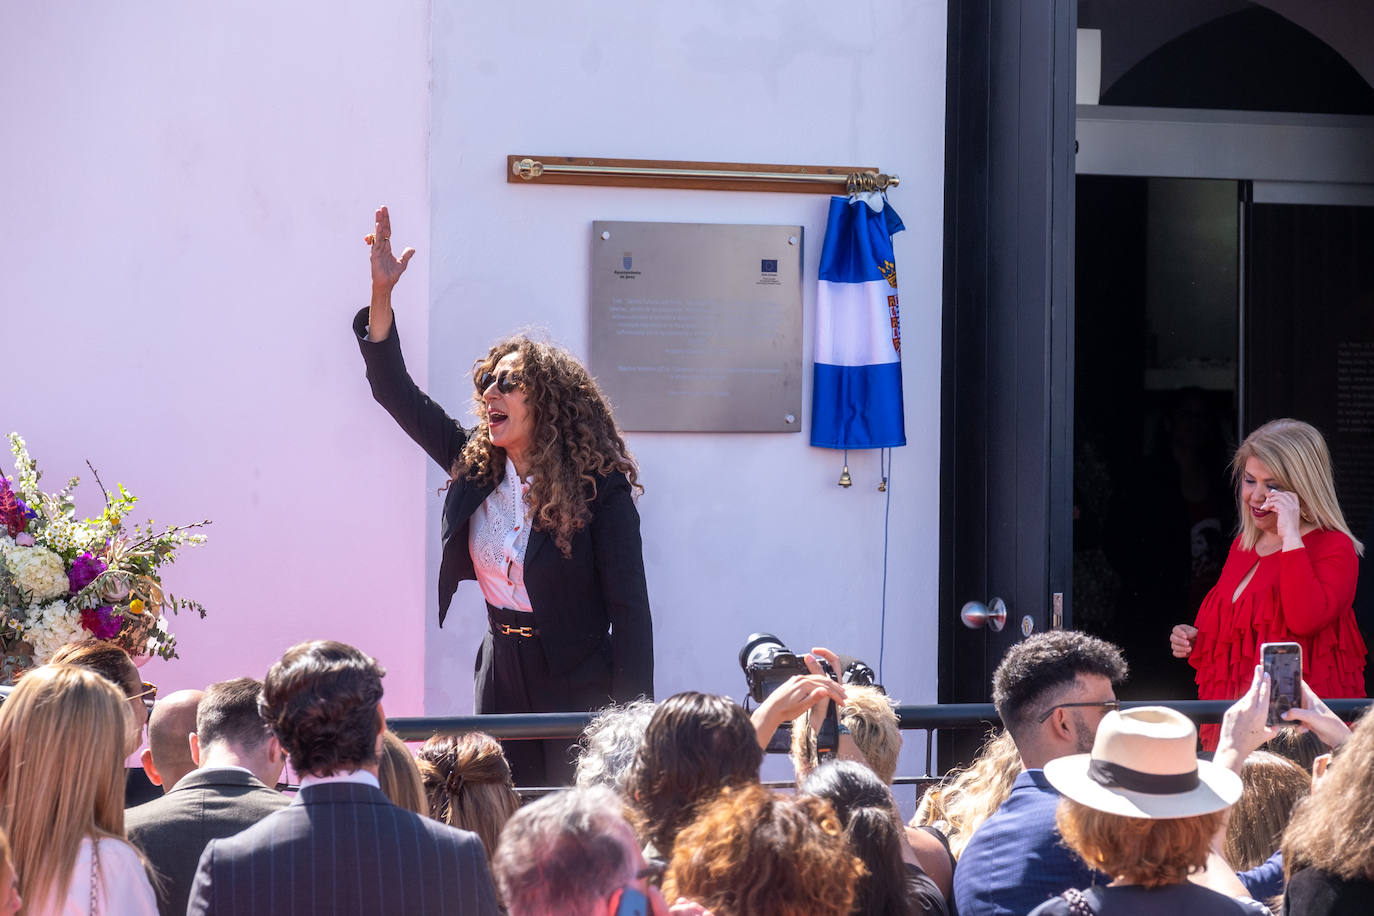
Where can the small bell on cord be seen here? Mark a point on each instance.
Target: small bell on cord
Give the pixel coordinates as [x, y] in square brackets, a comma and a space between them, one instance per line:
[845, 479]
[882, 485]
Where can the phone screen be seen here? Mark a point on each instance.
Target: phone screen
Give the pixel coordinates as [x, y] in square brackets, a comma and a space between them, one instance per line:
[631, 903]
[1283, 663]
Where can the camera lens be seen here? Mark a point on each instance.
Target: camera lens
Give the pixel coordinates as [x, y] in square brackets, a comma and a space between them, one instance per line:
[759, 649]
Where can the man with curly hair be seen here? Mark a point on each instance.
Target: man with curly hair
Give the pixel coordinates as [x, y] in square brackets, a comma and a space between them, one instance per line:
[341, 847]
[1051, 691]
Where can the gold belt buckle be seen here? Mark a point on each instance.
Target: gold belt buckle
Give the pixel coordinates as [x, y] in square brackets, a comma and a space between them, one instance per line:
[507, 630]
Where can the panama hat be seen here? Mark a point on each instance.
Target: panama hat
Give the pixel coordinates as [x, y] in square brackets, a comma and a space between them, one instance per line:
[1144, 764]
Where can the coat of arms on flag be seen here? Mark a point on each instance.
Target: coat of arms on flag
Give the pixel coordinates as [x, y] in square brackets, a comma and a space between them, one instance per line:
[857, 401]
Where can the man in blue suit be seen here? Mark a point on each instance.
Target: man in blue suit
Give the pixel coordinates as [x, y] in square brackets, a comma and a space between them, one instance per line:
[341, 847]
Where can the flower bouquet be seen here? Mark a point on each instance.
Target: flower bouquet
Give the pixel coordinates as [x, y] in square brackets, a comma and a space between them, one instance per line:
[64, 579]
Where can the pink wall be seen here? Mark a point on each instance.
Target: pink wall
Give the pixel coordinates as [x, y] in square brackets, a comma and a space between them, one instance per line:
[186, 200]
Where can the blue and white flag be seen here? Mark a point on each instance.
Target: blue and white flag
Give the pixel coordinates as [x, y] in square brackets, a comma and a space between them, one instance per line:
[857, 398]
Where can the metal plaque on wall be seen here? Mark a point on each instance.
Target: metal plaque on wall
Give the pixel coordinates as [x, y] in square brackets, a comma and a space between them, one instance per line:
[697, 327]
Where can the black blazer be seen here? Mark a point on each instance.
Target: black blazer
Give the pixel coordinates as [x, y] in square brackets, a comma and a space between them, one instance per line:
[205, 805]
[343, 848]
[577, 599]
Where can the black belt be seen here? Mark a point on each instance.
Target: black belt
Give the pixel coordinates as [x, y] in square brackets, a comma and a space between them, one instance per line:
[497, 617]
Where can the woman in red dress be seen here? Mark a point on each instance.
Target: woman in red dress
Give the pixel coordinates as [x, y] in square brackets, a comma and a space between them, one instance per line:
[1289, 577]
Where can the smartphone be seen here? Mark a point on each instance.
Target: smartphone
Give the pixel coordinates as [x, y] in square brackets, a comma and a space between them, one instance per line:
[631, 903]
[1282, 661]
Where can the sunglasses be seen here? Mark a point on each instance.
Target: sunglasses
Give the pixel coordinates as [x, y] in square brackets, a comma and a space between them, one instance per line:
[507, 380]
[1108, 705]
[149, 697]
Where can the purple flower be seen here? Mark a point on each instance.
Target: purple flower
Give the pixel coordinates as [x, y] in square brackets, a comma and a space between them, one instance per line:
[24, 539]
[84, 570]
[103, 622]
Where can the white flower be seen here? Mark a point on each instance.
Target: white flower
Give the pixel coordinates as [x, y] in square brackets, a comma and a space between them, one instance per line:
[26, 473]
[37, 572]
[52, 627]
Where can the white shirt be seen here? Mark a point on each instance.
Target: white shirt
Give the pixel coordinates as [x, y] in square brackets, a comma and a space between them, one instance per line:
[498, 534]
[362, 777]
[124, 886]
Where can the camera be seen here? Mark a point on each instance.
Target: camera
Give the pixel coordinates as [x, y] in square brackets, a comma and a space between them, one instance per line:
[768, 663]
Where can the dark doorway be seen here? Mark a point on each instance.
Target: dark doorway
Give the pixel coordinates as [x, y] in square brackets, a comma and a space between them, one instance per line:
[1199, 315]
[1309, 345]
[1155, 394]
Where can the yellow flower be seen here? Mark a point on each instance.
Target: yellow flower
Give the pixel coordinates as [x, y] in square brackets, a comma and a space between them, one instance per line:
[136, 607]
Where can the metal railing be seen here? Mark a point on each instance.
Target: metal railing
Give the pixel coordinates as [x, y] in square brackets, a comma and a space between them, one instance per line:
[929, 719]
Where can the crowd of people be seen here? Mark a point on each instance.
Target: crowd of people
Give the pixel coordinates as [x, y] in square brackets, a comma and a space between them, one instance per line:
[1077, 806]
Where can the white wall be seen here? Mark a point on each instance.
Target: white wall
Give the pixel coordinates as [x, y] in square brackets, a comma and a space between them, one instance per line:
[741, 532]
[186, 189]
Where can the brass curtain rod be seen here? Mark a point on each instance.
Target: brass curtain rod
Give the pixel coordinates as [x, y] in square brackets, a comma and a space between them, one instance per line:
[722, 176]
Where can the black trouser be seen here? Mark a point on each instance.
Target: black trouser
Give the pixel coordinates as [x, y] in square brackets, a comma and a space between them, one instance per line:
[512, 676]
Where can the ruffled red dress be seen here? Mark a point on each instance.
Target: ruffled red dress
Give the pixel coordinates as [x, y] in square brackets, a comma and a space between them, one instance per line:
[1303, 596]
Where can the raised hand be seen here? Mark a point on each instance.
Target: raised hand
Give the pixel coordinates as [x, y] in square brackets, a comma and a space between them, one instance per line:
[386, 267]
[1286, 504]
[1316, 716]
[797, 695]
[1243, 728]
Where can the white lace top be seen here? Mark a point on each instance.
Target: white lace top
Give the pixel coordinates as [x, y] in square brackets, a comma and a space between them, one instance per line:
[498, 534]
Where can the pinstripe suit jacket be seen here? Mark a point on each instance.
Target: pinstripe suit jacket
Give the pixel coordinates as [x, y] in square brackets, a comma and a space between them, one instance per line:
[344, 848]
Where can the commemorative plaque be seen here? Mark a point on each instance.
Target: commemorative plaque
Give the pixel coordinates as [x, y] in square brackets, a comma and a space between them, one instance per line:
[697, 327]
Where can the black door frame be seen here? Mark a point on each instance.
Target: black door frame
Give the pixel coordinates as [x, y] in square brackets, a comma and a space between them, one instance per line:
[1007, 365]
[1011, 151]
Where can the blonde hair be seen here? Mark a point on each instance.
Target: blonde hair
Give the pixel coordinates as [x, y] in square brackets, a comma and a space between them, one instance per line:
[398, 775]
[1333, 828]
[48, 805]
[966, 798]
[1152, 852]
[1296, 454]
[871, 718]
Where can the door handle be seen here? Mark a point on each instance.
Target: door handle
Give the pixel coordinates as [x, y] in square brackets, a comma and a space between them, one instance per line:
[977, 615]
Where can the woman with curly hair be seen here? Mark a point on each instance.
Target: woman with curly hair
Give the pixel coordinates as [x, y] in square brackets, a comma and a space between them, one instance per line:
[468, 784]
[965, 798]
[539, 511]
[755, 853]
